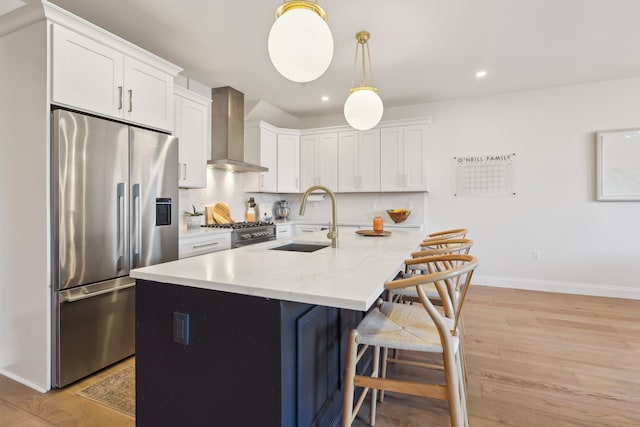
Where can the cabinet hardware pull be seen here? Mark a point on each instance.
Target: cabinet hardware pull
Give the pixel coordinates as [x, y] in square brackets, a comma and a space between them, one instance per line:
[205, 245]
[120, 97]
[130, 100]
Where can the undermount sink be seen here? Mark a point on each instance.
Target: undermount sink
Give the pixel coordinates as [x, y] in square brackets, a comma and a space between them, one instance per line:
[300, 247]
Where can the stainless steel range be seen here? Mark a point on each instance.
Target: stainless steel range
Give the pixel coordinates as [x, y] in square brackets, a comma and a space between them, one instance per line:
[248, 233]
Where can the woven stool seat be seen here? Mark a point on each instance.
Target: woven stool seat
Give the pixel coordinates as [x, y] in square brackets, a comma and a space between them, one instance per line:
[403, 327]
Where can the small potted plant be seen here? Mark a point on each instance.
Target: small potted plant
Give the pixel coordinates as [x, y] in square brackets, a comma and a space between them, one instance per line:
[194, 219]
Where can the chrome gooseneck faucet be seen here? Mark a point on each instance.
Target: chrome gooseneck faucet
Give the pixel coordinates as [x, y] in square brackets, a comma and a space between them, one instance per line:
[333, 231]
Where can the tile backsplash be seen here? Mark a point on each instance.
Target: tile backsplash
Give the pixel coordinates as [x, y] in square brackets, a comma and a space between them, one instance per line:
[228, 187]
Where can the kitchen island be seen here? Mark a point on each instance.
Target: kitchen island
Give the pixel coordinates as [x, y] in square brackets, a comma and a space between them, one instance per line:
[264, 341]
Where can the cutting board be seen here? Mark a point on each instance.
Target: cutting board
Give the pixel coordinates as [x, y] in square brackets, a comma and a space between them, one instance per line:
[373, 233]
[221, 213]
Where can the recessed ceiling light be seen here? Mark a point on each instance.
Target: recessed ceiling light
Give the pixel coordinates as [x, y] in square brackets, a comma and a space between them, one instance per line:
[480, 74]
[325, 98]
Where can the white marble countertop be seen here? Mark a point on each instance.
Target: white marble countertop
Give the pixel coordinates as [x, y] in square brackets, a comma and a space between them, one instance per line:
[351, 276]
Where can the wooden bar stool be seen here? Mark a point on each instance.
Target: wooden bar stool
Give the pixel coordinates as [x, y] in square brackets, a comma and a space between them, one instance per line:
[414, 266]
[448, 234]
[420, 328]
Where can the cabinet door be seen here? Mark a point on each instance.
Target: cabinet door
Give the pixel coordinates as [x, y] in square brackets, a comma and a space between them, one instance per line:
[348, 177]
[284, 231]
[308, 160]
[148, 97]
[192, 130]
[288, 175]
[369, 160]
[326, 163]
[268, 158]
[391, 159]
[415, 158]
[86, 75]
[317, 365]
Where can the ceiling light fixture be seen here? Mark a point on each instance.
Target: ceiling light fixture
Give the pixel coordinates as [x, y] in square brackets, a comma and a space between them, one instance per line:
[363, 108]
[480, 74]
[300, 41]
[325, 98]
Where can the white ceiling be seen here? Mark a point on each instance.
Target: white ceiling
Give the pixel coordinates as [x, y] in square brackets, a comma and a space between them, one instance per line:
[422, 50]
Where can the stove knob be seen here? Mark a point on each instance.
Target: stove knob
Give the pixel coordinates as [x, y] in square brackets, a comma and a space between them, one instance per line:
[244, 236]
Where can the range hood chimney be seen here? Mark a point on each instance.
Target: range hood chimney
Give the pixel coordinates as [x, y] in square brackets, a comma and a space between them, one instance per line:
[227, 131]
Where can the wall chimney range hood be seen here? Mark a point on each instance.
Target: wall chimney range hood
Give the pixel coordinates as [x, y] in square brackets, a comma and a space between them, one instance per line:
[227, 131]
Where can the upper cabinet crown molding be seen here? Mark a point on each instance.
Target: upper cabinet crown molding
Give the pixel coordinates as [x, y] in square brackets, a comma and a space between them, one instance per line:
[41, 10]
[94, 71]
[388, 123]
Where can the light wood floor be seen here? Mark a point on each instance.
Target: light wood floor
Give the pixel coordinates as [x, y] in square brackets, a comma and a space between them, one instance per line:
[533, 359]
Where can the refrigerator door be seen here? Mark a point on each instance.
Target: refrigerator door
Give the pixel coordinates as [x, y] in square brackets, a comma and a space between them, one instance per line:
[90, 204]
[96, 325]
[154, 197]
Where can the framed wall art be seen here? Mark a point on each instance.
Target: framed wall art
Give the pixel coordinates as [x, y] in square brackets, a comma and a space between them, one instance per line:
[618, 165]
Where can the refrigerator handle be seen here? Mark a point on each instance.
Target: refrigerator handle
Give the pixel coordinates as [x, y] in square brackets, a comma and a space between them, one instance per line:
[81, 297]
[120, 223]
[137, 226]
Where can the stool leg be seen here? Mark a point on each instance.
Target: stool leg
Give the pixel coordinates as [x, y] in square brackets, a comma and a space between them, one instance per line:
[374, 391]
[383, 371]
[451, 369]
[462, 388]
[350, 372]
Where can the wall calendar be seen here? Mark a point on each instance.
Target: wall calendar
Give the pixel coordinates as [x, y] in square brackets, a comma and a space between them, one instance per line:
[486, 175]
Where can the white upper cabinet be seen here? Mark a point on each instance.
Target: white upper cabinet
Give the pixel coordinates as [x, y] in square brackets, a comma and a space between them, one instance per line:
[319, 160]
[269, 159]
[87, 74]
[288, 163]
[359, 161]
[192, 128]
[98, 78]
[403, 165]
[148, 95]
[261, 148]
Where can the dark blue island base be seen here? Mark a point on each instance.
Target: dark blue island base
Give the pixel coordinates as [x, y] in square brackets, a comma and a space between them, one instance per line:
[249, 361]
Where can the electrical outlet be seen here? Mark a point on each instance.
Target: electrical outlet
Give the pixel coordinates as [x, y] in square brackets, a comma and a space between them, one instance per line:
[536, 255]
[181, 328]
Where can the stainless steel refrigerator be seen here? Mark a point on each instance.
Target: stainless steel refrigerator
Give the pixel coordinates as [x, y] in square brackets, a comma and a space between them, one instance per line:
[114, 208]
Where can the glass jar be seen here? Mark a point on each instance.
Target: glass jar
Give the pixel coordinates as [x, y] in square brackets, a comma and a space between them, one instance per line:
[251, 214]
[377, 224]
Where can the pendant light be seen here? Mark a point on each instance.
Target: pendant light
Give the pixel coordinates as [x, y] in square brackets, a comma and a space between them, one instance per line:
[300, 41]
[363, 108]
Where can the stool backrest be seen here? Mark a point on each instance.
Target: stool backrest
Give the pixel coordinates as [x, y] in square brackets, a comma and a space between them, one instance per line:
[451, 275]
[443, 246]
[449, 234]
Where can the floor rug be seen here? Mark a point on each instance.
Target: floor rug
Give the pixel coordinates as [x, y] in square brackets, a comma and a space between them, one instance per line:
[116, 391]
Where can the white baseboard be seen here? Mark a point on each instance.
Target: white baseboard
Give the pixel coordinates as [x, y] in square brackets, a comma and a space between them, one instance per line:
[23, 381]
[561, 287]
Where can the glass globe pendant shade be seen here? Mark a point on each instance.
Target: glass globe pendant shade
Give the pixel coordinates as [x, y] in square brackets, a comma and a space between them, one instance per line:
[363, 108]
[300, 41]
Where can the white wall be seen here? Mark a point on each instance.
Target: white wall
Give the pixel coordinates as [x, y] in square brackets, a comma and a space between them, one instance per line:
[24, 191]
[586, 246]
